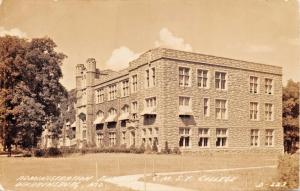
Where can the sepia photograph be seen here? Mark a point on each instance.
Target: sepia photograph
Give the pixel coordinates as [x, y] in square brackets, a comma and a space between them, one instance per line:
[149, 95]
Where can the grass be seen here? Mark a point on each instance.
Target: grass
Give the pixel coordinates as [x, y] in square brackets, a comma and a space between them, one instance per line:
[112, 164]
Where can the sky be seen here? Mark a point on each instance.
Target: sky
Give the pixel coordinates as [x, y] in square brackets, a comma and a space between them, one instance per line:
[115, 32]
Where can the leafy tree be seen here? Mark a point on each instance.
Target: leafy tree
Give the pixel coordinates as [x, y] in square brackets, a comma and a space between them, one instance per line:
[30, 91]
[290, 114]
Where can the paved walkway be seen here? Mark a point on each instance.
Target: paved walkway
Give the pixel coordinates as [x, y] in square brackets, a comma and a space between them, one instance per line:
[132, 181]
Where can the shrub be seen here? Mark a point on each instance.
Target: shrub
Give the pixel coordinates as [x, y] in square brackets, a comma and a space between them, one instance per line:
[53, 152]
[176, 150]
[39, 153]
[148, 149]
[166, 150]
[27, 154]
[288, 170]
[154, 147]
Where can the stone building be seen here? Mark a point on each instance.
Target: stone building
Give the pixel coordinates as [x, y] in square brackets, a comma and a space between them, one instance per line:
[189, 100]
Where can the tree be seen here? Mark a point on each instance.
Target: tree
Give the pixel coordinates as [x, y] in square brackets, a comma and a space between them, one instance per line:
[30, 91]
[290, 116]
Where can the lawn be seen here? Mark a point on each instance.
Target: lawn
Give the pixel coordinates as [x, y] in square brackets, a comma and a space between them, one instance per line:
[94, 166]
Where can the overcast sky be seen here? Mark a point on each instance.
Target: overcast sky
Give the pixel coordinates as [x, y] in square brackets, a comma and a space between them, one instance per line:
[117, 31]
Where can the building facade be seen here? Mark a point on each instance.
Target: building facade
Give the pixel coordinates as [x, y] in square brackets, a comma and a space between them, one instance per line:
[191, 101]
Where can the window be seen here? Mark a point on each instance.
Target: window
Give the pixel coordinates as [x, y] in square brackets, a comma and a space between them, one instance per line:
[134, 83]
[84, 134]
[155, 136]
[184, 140]
[150, 132]
[153, 76]
[125, 88]
[147, 79]
[254, 139]
[144, 133]
[125, 109]
[269, 137]
[253, 110]
[202, 78]
[268, 112]
[123, 138]
[221, 137]
[206, 107]
[220, 79]
[132, 138]
[184, 76]
[100, 139]
[112, 112]
[184, 102]
[203, 137]
[253, 84]
[151, 102]
[268, 86]
[112, 138]
[221, 109]
[100, 95]
[112, 92]
[134, 109]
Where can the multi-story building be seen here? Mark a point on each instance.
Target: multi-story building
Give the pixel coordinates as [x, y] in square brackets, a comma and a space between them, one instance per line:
[189, 100]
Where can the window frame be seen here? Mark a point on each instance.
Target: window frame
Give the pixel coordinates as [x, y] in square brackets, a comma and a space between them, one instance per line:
[266, 113]
[255, 138]
[271, 85]
[220, 83]
[258, 85]
[184, 136]
[226, 109]
[207, 78]
[267, 143]
[251, 115]
[208, 107]
[189, 76]
[204, 136]
[221, 136]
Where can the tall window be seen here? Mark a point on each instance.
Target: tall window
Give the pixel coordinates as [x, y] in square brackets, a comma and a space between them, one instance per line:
[134, 109]
[112, 92]
[253, 84]
[269, 141]
[221, 109]
[125, 109]
[254, 139]
[268, 112]
[221, 137]
[153, 76]
[253, 110]
[147, 78]
[134, 83]
[123, 137]
[125, 88]
[100, 139]
[184, 76]
[100, 95]
[268, 86]
[112, 112]
[220, 80]
[206, 107]
[184, 140]
[112, 138]
[151, 102]
[84, 134]
[202, 78]
[155, 136]
[203, 137]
